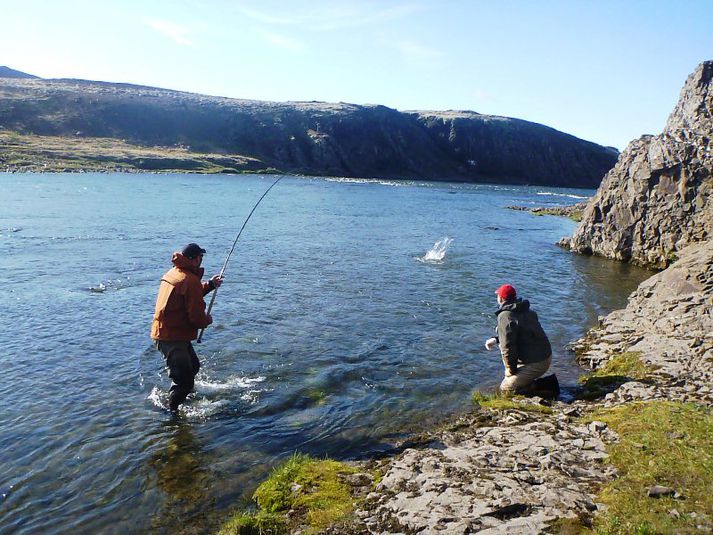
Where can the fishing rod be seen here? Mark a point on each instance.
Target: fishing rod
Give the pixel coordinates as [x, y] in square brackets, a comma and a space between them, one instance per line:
[230, 253]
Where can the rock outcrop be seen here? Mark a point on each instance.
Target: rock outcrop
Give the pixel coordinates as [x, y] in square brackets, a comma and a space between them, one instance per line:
[658, 198]
[668, 321]
[314, 138]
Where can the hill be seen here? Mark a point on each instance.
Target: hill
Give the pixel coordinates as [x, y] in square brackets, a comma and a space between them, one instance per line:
[7, 72]
[314, 138]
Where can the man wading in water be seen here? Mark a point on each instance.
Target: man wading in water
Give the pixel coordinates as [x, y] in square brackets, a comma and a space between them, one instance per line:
[524, 346]
[180, 312]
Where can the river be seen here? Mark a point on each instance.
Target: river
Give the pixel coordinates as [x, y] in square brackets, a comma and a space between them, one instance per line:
[353, 312]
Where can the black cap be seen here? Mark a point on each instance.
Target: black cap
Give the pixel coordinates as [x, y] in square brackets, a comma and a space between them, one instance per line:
[192, 250]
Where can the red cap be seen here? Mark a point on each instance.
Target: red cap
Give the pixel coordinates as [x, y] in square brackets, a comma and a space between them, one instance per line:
[506, 292]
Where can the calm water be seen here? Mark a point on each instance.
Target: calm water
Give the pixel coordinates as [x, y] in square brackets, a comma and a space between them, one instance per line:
[340, 327]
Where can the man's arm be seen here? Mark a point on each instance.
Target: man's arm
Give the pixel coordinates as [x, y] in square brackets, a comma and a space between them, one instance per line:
[213, 284]
[507, 333]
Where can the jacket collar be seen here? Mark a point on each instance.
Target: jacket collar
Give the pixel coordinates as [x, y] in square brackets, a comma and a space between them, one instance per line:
[517, 304]
[184, 264]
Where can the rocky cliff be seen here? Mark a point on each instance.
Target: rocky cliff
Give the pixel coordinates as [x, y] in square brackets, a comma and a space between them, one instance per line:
[658, 197]
[512, 148]
[307, 137]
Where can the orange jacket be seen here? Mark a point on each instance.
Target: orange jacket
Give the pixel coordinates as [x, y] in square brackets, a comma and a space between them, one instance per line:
[180, 309]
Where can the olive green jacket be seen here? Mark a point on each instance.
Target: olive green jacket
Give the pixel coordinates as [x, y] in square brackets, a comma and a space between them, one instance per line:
[521, 337]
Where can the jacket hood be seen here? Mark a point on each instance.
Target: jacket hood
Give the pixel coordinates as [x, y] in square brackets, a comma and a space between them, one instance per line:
[519, 305]
[183, 263]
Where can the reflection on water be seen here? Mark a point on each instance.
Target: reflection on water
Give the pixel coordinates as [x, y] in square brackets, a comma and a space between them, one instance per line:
[183, 474]
[603, 282]
[329, 337]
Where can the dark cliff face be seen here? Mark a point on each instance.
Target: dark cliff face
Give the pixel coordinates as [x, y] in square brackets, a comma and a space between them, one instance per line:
[659, 196]
[309, 137]
[525, 152]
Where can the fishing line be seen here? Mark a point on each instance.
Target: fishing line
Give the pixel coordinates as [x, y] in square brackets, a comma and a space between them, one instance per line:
[230, 253]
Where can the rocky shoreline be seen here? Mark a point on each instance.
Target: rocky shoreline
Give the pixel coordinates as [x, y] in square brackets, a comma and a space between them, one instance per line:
[658, 198]
[572, 211]
[519, 470]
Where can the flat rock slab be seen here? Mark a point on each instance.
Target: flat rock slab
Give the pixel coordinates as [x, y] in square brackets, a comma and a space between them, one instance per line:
[516, 476]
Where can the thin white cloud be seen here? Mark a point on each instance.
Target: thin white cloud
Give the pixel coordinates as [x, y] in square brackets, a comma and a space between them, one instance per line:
[175, 32]
[416, 52]
[283, 41]
[339, 18]
[331, 17]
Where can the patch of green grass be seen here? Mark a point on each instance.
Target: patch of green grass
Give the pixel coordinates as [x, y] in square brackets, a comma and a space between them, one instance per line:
[502, 402]
[621, 368]
[310, 487]
[661, 443]
[259, 523]
[574, 215]
[28, 152]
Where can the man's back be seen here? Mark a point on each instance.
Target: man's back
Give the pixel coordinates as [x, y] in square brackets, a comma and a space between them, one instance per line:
[521, 328]
[180, 309]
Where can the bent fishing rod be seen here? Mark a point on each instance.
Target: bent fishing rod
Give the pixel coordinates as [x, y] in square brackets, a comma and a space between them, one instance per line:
[230, 253]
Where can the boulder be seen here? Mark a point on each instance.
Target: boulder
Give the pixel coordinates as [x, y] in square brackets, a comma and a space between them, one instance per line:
[658, 198]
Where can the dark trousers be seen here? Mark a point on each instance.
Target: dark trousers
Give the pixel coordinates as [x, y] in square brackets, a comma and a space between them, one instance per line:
[183, 365]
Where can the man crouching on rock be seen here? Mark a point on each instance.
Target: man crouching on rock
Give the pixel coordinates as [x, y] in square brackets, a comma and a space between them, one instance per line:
[180, 312]
[525, 348]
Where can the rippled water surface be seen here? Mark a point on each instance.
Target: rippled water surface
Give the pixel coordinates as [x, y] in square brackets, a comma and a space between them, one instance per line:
[353, 312]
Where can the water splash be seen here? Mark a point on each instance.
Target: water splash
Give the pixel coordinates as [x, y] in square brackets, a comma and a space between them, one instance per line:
[212, 397]
[194, 408]
[569, 195]
[111, 284]
[201, 408]
[232, 383]
[159, 398]
[437, 253]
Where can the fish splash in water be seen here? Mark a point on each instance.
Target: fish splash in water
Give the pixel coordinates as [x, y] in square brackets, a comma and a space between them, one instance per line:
[437, 253]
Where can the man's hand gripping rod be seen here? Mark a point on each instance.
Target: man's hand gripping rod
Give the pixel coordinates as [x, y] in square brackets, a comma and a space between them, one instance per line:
[225, 264]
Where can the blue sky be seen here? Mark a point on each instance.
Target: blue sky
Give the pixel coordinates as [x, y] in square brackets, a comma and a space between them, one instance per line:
[606, 71]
